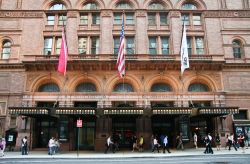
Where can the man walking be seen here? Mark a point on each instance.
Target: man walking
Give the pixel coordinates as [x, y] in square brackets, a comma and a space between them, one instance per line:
[165, 144]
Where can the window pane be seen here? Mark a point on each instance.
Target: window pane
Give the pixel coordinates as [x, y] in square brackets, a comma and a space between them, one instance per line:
[116, 45]
[185, 19]
[6, 50]
[84, 19]
[118, 18]
[196, 19]
[95, 18]
[164, 45]
[129, 18]
[199, 45]
[62, 20]
[151, 19]
[189, 44]
[58, 45]
[237, 49]
[94, 45]
[82, 45]
[86, 87]
[163, 18]
[48, 46]
[130, 45]
[198, 87]
[51, 20]
[152, 45]
[161, 87]
[49, 87]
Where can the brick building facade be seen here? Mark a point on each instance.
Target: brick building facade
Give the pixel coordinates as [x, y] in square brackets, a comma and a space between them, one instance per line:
[153, 98]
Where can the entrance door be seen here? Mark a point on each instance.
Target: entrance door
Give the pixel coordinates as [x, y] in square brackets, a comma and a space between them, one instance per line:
[46, 129]
[164, 125]
[123, 129]
[86, 136]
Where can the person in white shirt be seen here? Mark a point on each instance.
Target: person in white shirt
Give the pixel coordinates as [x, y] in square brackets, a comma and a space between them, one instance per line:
[51, 146]
[195, 140]
[165, 144]
[109, 145]
[156, 145]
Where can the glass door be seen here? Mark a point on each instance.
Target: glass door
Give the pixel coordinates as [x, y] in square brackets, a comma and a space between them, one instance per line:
[86, 136]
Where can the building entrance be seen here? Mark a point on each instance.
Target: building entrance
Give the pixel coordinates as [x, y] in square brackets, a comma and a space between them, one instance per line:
[164, 125]
[86, 135]
[123, 128]
[45, 128]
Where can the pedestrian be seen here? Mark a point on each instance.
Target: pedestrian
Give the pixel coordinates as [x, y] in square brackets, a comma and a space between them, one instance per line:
[165, 144]
[231, 142]
[2, 146]
[210, 143]
[180, 142]
[246, 140]
[206, 141]
[24, 146]
[152, 142]
[134, 145]
[51, 146]
[141, 142]
[109, 145]
[57, 146]
[195, 140]
[242, 142]
[156, 145]
[227, 141]
[217, 141]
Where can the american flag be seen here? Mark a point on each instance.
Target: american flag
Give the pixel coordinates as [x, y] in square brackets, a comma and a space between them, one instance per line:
[120, 64]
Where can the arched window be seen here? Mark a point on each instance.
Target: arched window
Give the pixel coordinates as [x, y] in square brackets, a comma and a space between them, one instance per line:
[49, 87]
[156, 6]
[189, 6]
[198, 87]
[237, 49]
[123, 5]
[90, 6]
[161, 87]
[86, 87]
[123, 87]
[6, 46]
[57, 6]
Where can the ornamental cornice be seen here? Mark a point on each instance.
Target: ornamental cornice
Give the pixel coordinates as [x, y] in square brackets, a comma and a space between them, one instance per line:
[227, 14]
[106, 13]
[141, 13]
[21, 14]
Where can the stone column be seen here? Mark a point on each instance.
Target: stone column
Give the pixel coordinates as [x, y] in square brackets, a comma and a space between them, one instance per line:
[106, 39]
[141, 32]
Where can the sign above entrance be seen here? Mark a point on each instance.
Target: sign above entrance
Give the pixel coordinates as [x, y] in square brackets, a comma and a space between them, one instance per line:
[79, 123]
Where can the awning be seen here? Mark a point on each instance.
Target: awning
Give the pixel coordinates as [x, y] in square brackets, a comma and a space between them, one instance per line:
[218, 111]
[75, 111]
[172, 111]
[28, 111]
[123, 111]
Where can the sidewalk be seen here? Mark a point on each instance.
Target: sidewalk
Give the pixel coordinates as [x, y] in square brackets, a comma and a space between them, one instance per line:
[121, 154]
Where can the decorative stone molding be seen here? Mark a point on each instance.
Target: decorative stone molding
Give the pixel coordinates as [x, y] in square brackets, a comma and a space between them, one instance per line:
[141, 13]
[20, 14]
[175, 14]
[227, 14]
[106, 13]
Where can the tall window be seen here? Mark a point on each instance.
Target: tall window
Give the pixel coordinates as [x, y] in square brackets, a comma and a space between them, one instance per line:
[52, 45]
[237, 49]
[6, 47]
[157, 14]
[195, 45]
[158, 45]
[88, 44]
[56, 15]
[189, 17]
[130, 45]
[90, 14]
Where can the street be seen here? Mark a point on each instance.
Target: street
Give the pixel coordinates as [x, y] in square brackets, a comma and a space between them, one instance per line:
[202, 159]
